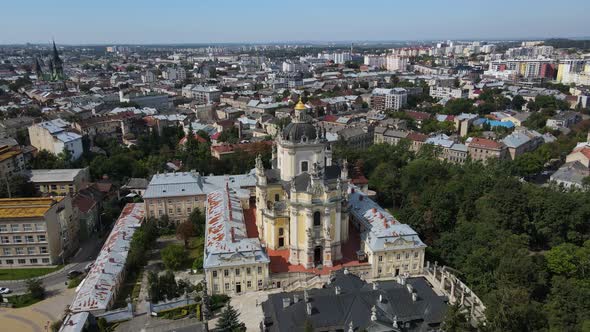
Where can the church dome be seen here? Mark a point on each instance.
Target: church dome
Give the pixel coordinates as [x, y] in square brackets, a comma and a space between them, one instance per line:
[294, 131]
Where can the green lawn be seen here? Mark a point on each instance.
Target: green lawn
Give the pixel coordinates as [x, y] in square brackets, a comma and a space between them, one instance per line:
[21, 301]
[18, 274]
[195, 249]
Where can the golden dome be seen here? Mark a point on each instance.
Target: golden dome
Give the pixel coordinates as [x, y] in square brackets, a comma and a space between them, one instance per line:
[300, 105]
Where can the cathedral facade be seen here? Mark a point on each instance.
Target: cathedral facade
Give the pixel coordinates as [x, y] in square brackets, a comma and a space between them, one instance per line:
[55, 70]
[302, 199]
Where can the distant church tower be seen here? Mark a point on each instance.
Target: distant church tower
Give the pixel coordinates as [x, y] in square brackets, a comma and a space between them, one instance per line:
[57, 69]
[301, 200]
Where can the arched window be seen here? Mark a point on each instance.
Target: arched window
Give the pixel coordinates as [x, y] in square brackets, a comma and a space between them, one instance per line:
[317, 218]
[277, 197]
[304, 166]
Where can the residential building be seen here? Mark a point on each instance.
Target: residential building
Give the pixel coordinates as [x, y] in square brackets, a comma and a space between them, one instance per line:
[388, 99]
[392, 248]
[202, 94]
[378, 61]
[60, 182]
[149, 77]
[10, 127]
[563, 119]
[396, 63]
[160, 102]
[86, 208]
[448, 92]
[178, 194]
[136, 186]
[12, 161]
[576, 167]
[448, 149]
[233, 262]
[54, 136]
[349, 303]
[388, 135]
[356, 137]
[483, 149]
[37, 231]
[521, 141]
[517, 118]
[571, 175]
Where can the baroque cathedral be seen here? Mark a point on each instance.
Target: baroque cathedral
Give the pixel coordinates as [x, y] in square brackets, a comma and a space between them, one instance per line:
[302, 199]
[55, 69]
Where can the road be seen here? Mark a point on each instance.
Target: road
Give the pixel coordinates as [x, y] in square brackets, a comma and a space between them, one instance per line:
[87, 253]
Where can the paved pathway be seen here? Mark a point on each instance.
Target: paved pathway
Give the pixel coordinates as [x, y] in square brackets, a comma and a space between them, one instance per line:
[37, 317]
[57, 280]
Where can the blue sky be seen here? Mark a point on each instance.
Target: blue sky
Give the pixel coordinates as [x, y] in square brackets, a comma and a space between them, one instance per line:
[207, 21]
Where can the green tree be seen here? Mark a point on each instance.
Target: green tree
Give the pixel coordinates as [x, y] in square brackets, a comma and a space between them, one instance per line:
[229, 320]
[173, 256]
[185, 231]
[517, 102]
[456, 320]
[36, 289]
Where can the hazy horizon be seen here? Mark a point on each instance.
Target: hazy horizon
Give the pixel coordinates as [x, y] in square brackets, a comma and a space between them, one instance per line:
[136, 22]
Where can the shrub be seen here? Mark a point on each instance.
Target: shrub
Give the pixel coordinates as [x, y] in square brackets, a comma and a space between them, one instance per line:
[173, 256]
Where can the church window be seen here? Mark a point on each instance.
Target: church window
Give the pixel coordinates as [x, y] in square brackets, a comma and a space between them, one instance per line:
[304, 166]
[317, 218]
[281, 231]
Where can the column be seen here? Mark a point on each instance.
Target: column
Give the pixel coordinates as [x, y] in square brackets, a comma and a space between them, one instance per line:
[327, 261]
[293, 232]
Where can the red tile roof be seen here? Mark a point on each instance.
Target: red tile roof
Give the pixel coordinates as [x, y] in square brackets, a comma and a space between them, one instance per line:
[418, 137]
[197, 137]
[485, 143]
[418, 115]
[583, 150]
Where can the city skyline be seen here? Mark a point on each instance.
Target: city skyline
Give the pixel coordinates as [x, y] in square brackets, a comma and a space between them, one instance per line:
[183, 22]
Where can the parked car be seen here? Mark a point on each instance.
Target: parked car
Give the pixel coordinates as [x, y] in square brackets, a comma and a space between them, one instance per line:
[5, 290]
[74, 273]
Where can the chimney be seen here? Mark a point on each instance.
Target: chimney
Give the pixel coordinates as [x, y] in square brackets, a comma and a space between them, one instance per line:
[381, 299]
[402, 280]
[414, 297]
[373, 314]
[295, 298]
[375, 286]
[308, 309]
[337, 290]
[410, 288]
[286, 302]
[306, 296]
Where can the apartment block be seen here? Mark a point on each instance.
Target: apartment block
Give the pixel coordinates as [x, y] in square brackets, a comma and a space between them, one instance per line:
[54, 136]
[60, 182]
[36, 231]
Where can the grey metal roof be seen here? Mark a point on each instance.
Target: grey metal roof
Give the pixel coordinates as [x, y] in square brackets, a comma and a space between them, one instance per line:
[384, 232]
[392, 301]
[193, 184]
[54, 175]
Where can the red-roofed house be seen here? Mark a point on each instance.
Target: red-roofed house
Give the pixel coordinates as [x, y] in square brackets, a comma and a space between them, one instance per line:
[417, 140]
[581, 154]
[197, 137]
[418, 117]
[483, 149]
[224, 150]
